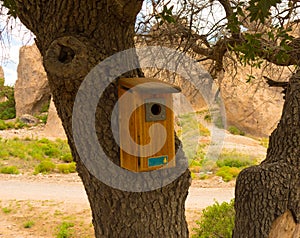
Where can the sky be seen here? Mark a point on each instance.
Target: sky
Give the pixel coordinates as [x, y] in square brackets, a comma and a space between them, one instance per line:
[13, 36]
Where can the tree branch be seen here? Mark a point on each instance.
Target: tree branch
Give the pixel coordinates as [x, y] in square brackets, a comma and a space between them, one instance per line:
[273, 83]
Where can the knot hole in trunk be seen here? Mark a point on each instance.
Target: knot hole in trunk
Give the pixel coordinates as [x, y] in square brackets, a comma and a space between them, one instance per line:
[66, 54]
[67, 57]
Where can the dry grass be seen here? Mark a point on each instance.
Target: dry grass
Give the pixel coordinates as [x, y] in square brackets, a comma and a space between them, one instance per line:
[44, 219]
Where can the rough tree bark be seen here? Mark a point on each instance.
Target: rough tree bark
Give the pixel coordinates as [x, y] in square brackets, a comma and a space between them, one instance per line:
[73, 36]
[267, 199]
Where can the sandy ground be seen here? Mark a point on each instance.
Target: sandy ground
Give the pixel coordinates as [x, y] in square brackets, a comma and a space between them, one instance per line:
[50, 193]
[71, 190]
[52, 198]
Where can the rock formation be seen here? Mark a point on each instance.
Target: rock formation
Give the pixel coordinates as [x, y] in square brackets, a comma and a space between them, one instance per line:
[32, 91]
[189, 99]
[253, 107]
[29, 119]
[54, 126]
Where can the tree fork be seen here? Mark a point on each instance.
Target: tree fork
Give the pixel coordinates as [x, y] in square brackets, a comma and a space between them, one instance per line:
[73, 36]
[269, 194]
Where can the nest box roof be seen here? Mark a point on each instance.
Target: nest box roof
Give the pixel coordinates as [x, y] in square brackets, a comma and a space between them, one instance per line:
[148, 85]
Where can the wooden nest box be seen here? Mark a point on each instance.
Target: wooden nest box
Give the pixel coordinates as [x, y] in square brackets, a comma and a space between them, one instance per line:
[144, 102]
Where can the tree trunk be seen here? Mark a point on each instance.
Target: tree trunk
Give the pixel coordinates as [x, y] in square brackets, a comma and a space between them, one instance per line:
[73, 36]
[266, 194]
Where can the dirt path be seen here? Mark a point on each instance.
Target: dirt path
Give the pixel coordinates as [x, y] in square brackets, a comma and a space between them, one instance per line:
[73, 192]
[42, 196]
[50, 199]
[29, 190]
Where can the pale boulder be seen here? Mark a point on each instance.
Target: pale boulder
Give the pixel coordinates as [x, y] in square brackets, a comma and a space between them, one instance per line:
[32, 91]
[54, 128]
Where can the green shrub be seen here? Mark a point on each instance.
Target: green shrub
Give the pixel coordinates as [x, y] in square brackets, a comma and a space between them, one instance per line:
[217, 221]
[55, 149]
[62, 145]
[28, 224]
[264, 142]
[234, 162]
[235, 131]
[8, 113]
[193, 175]
[43, 118]
[6, 210]
[190, 131]
[67, 168]
[36, 153]
[51, 151]
[49, 148]
[228, 173]
[194, 162]
[17, 150]
[203, 130]
[64, 230]
[235, 159]
[225, 174]
[45, 107]
[203, 176]
[12, 125]
[207, 118]
[44, 141]
[67, 157]
[19, 124]
[7, 108]
[31, 149]
[3, 125]
[3, 154]
[45, 166]
[234, 171]
[9, 170]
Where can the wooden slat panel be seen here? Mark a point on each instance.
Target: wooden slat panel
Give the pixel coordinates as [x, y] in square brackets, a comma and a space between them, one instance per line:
[169, 147]
[126, 160]
[139, 130]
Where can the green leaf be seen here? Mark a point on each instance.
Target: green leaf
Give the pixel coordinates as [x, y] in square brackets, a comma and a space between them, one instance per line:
[169, 19]
[249, 78]
[240, 11]
[166, 15]
[260, 10]
[271, 36]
